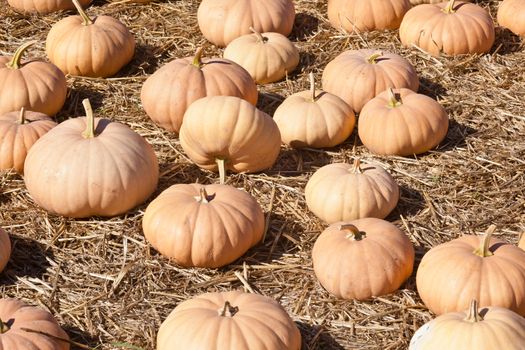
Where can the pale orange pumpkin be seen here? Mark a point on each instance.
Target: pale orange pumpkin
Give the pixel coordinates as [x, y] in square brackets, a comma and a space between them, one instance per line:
[45, 6]
[228, 321]
[5, 249]
[511, 15]
[167, 93]
[86, 167]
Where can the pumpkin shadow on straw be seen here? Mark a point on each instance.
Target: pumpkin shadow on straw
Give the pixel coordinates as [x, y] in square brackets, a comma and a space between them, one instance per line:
[73, 105]
[77, 335]
[144, 62]
[410, 203]
[28, 259]
[506, 42]
[304, 26]
[431, 88]
[316, 338]
[456, 136]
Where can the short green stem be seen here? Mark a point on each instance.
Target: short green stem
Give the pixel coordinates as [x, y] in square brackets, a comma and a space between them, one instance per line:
[354, 233]
[450, 7]
[473, 314]
[17, 56]
[89, 132]
[22, 116]
[260, 37]
[197, 59]
[228, 310]
[484, 248]
[393, 100]
[221, 164]
[373, 58]
[87, 21]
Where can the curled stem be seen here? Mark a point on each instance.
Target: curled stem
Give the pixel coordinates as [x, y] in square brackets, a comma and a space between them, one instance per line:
[89, 133]
[354, 233]
[228, 310]
[393, 100]
[87, 21]
[473, 314]
[17, 56]
[373, 57]
[483, 249]
[260, 37]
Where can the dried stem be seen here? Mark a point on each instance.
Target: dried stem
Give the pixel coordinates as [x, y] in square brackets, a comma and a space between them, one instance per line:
[89, 133]
[354, 234]
[228, 310]
[473, 314]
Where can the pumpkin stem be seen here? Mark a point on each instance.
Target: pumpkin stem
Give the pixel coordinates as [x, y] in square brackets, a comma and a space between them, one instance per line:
[3, 327]
[473, 314]
[354, 234]
[203, 195]
[260, 37]
[228, 310]
[89, 133]
[450, 7]
[82, 13]
[373, 57]
[357, 166]
[197, 59]
[393, 101]
[222, 170]
[312, 85]
[22, 116]
[483, 249]
[17, 56]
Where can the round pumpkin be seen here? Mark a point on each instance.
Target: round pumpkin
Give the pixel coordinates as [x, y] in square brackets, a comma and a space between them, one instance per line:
[344, 192]
[314, 119]
[268, 57]
[82, 46]
[402, 122]
[34, 84]
[18, 132]
[214, 225]
[452, 28]
[45, 6]
[357, 76]
[222, 133]
[90, 166]
[221, 21]
[22, 327]
[5, 249]
[363, 258]
[491, 272]
[228, 321]
[485, 329]
[168, 92]
[511, 15]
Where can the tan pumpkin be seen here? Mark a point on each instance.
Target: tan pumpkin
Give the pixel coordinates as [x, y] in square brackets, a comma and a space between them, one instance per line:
[26, 327]
[344, 192]
[34, 84]
[511, 15]
[45, 6]
[357, 76]
[486, 329]
[221, 21]
[229, 321]
[5, 249]
[314, 119]
[268, 57]
[491, 272]
[402, 122]
[168, 92]
[86, 167]
[82, 46]
[363, 258]
[214, 225]
[222, 133]
[366, 16]
[452, 28]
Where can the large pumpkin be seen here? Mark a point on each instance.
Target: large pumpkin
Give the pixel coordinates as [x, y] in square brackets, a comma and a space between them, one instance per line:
[5, 249]
[511, 15]
[45, 6]
[228, 321]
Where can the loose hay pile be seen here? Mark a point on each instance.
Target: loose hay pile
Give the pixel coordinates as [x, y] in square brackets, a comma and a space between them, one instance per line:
[108, 289]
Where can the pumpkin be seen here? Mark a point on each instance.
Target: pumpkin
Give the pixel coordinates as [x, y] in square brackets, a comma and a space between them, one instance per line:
[34, 84]
[168, 92]
[485, 329]
[26, 327]
[452, 28]
[365, 16]
[268, 57]
[357, 76]
[402, 122]
[5, 249]
[18, 132]
[511, 15]
[314, 119]
[214, 225]
[45, 6]
[228, 321]
[86, 167]
[98, 47]
[491, 272]
[344, 248]
[222, 133]
[344, 192]
[221, 21]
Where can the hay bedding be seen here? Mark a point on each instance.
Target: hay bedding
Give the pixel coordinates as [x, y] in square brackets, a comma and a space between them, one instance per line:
[109, 290]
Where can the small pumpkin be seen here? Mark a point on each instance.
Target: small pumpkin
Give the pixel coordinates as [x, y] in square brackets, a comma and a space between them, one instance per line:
[452, 28]
[402, 122]
[34, 84]
[221, 21]
[86, 167]
[45, 6]
[228, 320]
[82, 46]
[167, 93]
[345, 192]
[511, 15]
[5, 249]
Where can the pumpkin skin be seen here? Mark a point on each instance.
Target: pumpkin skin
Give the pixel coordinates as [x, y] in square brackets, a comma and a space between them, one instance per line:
[45, 6]
[343, 248]
[221, 21]
[453, 28]
[167, 93]
[73, 172]
[402, 122]
[5, 249]
[344, 192]
[357, 76]
[36, 85]
[521, 242]
[511, 15]
[24, 316]
[244, 314]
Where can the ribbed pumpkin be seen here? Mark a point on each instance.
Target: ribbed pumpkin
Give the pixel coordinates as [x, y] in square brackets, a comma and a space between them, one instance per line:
[98, 47]
[5, 249]
[363, 258]
[511, 15]
[491, 272]
[167, 93]
[221, 21]
[452, 28]
[34, 84]
[402, 122]
[229, 321]
[222, 133]
[18, 132]
[45, 6]
[357, 76]
[344, 192]
[214, 224]
[86, 167]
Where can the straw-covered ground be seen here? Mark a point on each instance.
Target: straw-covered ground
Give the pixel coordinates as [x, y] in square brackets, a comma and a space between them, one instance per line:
[109, 289]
